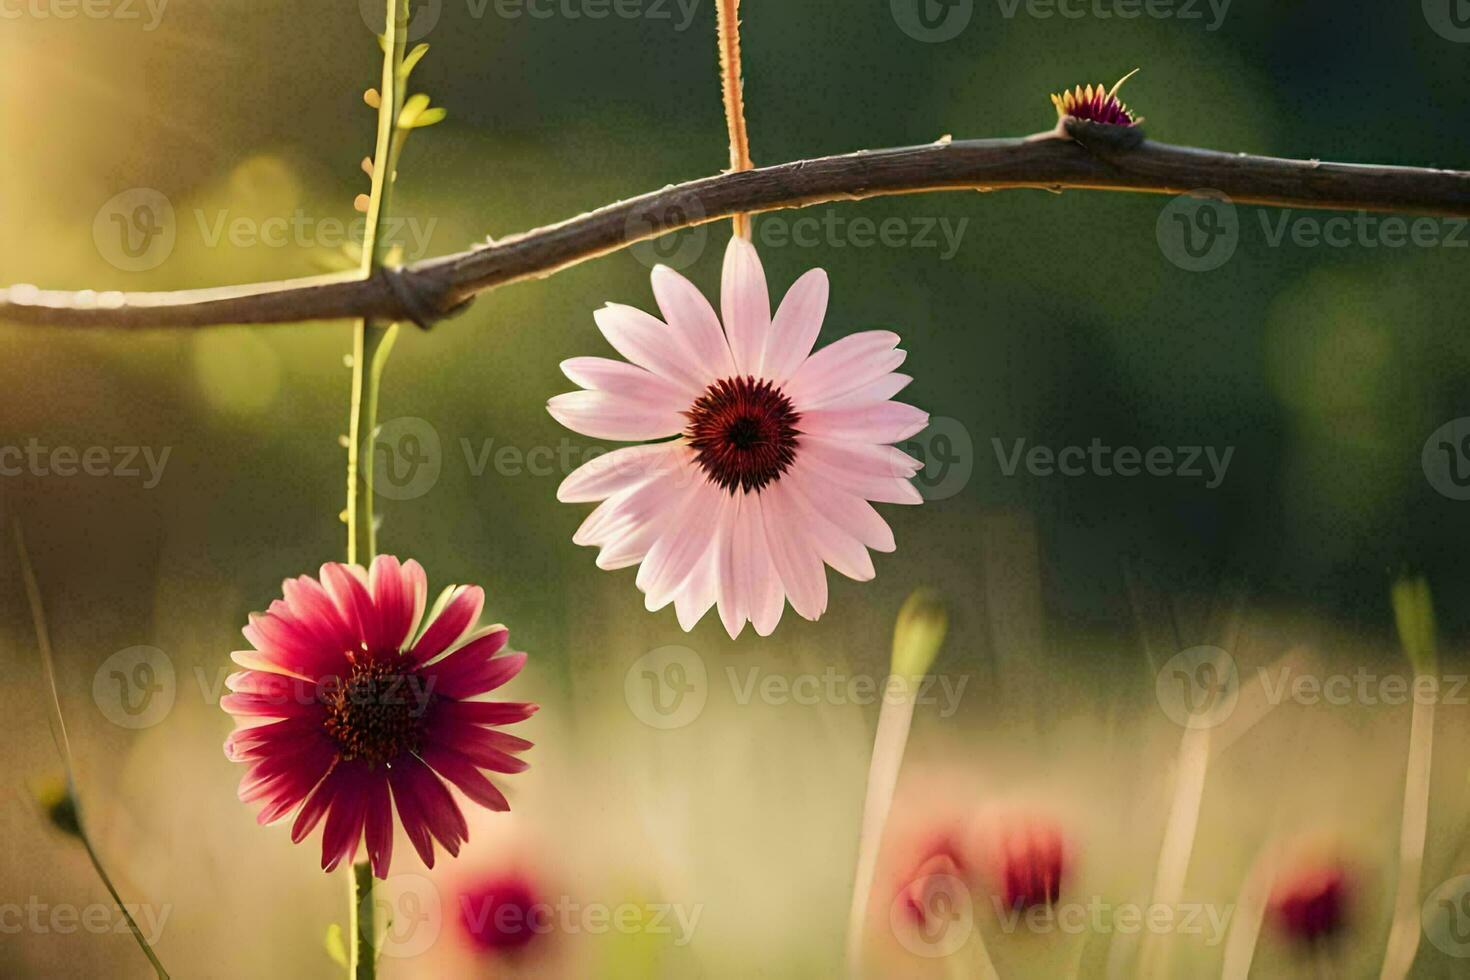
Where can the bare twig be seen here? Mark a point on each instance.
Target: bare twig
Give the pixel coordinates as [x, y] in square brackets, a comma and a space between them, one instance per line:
[439, 285]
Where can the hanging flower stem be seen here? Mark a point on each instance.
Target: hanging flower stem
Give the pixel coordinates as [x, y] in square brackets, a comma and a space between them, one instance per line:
[731, 83]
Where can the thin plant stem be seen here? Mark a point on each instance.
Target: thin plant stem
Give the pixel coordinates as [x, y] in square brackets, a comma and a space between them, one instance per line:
[1403, 935]
[732, 86]
[892, 737]
[63, 744]
[371, 344]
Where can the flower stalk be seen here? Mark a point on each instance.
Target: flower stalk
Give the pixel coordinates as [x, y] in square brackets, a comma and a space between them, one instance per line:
[1413, 611]
[732, 84]
[75, 826]
[372, 342]
[917, 637]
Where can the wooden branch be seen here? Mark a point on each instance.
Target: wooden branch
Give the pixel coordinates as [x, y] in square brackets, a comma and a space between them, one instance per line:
[1111, 159]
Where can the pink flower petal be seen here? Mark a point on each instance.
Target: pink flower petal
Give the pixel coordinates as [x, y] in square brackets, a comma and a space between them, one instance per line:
[796, 325]
[843, 366]
[459, 614]
[347, 585]
[627, 380]
[600, 478]
[650, 343]
[836, 547]
[426, 806]
[604, 415]
[880, 390]
[378, 826]
[745, 304]
[793, 554]
[486, 712]
[883, 422]
[460, 771]
[347, 814]
[687, 537]
[695, 325]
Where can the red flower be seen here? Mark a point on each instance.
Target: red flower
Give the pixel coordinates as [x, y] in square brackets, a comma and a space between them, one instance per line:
[1027, 857]
[1310, 904]
[503, 913]
[344, 703]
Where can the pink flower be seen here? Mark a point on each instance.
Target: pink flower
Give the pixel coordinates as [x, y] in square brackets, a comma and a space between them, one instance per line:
[770, 453]
[1027, 857]
[503, 913]
[1310, 903]
[926, 885]
[345, 702]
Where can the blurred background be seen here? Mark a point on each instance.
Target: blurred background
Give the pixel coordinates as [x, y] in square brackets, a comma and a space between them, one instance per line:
[208, 142]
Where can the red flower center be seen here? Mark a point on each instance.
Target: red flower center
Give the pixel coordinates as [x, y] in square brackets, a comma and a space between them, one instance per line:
[743, 432]
[377, 712]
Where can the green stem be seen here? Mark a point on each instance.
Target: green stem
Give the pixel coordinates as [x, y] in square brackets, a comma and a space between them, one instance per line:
[362, 953]
[371, 343]
[373, 340]
[63, 744]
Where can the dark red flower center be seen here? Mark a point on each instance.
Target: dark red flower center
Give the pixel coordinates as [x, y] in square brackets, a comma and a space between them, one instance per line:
[377, 712]
[743, 432]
